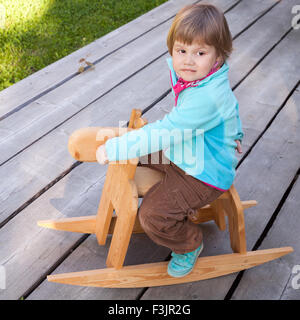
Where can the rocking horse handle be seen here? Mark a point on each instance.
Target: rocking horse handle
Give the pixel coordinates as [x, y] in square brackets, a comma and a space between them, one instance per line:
[136, 121]
[83, 143]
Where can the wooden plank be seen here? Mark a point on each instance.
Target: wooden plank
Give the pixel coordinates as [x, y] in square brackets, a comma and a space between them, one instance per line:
[237, 18]
[248, 51]
[264, 176]
[50, 159]
[155, 274]
[69, 188]
[41, 116]
[275, 282]
[67, 67]
[87, 224]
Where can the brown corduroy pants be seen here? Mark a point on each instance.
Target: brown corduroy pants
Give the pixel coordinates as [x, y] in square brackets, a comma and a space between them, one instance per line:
[168, 208]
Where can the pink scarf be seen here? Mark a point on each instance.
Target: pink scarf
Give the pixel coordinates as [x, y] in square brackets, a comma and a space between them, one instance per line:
[182, 84]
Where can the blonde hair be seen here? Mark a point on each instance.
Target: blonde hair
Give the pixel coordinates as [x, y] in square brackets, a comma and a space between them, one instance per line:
[203, 23]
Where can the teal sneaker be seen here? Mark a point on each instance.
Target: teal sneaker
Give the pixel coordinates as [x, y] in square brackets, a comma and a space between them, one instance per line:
[182, 264]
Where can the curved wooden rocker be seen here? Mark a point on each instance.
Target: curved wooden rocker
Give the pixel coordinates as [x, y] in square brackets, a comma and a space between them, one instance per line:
[123, 185]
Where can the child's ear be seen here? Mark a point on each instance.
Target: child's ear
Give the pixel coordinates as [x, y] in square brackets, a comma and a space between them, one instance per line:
[220, 61]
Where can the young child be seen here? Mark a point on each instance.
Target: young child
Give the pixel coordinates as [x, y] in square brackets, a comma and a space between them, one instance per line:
[207, 128]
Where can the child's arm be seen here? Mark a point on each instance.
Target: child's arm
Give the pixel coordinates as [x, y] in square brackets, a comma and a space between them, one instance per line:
[192, 114]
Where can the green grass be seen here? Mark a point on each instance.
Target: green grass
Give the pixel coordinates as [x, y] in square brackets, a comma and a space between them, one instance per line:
[36, 33]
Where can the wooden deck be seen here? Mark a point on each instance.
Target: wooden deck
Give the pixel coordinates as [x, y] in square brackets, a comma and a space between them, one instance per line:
[40, 180]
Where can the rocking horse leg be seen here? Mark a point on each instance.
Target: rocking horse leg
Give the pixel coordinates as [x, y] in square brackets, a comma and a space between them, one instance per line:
[234, 209]
[103, 220]
[105, 210]
[126, 220]
[218, 214]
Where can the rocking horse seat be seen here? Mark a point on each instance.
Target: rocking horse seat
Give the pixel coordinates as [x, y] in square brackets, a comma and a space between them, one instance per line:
[145, 178]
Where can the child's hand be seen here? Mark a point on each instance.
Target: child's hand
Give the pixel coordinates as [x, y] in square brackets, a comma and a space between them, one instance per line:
[238, 146]
[101, 155]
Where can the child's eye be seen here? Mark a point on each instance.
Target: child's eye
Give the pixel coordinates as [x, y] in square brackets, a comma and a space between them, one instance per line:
[199, 53]
[181, 51]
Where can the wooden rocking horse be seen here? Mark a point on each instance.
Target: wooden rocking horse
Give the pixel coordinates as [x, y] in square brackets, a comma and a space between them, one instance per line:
[124, 184]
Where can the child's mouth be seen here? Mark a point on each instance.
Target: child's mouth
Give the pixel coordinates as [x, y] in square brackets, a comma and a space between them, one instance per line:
[188, 70]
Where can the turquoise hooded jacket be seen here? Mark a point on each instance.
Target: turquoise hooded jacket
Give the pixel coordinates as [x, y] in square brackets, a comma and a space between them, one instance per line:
[198, 135]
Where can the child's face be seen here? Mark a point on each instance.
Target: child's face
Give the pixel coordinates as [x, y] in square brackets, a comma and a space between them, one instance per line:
[193, 62]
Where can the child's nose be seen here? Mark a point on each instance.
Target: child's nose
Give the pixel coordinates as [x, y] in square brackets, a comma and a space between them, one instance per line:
[189, 59]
